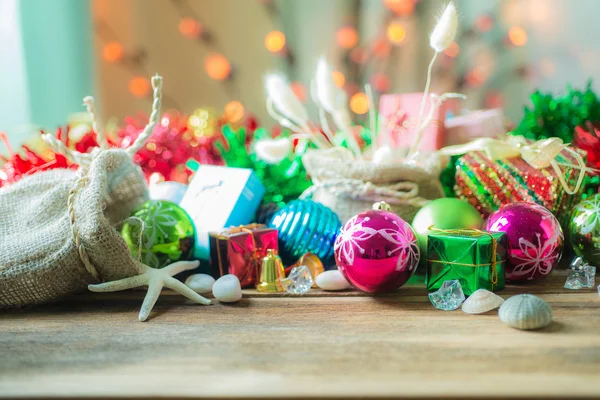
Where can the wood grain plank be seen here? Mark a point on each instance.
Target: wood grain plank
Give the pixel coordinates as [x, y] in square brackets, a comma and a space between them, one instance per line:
[328, 345]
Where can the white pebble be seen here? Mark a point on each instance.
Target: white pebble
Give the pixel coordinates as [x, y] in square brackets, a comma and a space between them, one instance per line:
[332, 280]
[227, 289]
[200, 283]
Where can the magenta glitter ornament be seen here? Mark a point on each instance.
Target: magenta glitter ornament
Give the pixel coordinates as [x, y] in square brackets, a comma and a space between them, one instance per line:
[377, 251]
[535, 239]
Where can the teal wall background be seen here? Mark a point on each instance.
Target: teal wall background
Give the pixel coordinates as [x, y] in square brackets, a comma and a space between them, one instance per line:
[51, 43]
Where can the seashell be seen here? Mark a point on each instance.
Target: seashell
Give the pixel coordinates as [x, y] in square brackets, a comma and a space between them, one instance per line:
[200, 283]
[227, 289]
[525, 311]
[332, 280]
[481, 301]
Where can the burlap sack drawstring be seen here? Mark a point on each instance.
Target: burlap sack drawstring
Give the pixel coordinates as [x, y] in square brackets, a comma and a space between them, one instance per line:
[84, 160]
[81, 181]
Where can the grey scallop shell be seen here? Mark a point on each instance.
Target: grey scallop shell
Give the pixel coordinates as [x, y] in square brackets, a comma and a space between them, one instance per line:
[525, 311]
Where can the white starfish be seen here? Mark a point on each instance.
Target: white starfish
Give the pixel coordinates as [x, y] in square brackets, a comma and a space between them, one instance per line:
[155, 279]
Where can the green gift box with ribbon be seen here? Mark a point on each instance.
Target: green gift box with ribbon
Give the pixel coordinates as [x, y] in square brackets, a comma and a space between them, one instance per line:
[473, 257]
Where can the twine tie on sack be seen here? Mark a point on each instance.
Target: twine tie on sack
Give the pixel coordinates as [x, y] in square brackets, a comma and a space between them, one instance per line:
[472, 233]
[84, 160]
[402, 193]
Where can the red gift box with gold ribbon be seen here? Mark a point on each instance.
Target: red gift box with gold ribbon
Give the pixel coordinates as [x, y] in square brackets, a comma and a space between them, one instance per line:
[240, 250]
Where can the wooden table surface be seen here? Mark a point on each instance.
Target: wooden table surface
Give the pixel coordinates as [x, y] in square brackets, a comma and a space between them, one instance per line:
[320, 345]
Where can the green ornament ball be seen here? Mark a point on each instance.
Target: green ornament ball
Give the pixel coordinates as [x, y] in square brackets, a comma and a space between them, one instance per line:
[159, 233]
[445, 213]
[584, 230]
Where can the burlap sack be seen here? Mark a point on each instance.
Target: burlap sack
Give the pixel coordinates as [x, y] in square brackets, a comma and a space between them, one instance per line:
[40, 260]
[350, 186]
[57, 228]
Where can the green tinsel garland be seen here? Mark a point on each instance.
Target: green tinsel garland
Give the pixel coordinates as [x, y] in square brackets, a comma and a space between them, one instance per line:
[283, 182]
[558, 116]
[553, 116]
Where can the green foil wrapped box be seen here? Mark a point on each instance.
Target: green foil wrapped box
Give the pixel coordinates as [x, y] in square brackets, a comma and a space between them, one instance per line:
[475, 258]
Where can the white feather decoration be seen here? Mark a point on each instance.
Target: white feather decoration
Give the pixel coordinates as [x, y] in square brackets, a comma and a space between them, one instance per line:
[273, 151]
[327, 93]
[441, 37]
[285, 100]
[445, 29]
[333, 100]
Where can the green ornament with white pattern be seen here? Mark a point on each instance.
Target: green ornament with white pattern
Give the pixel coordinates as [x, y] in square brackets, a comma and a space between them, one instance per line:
[584, 230]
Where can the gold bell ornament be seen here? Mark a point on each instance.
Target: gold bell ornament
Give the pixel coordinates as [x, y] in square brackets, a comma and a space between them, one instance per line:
[271, 273]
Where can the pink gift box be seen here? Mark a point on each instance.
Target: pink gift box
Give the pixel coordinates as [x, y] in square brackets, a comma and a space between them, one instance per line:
[398, 115]
[476, 124]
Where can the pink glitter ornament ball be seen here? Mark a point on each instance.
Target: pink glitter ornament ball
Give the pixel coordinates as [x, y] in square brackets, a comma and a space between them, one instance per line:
[377, 251]
[535, 239]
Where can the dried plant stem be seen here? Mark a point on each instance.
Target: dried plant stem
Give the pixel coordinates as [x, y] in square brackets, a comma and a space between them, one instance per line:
[304, 129]
[316, 137]
[372, 127]
[415, 146]
[325, 125]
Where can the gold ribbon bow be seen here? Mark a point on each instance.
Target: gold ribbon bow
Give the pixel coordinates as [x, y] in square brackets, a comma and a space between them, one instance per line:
[473, 233]
[541, 154]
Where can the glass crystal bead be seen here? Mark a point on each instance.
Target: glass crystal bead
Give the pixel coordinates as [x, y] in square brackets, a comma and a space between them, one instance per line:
[299, 281]
[580, 276]
[449, 297]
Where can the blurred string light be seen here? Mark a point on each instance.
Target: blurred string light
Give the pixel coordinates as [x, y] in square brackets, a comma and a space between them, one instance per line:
[275, 41]
[338, 78]
[452, 50]
[217, 66]
[190, 28]
[233, 112]
[494, 99]
[396, 32]
[351, 89]
[517, 36]
[381, 48]
[113, 52]
[477, 76]
[347, 37]
[139, 86]
[299, 90]
[359, 55]
[380, 82]
[359, 103]
[132, 61]
[202, 122]
[400, 7]
[484, 23]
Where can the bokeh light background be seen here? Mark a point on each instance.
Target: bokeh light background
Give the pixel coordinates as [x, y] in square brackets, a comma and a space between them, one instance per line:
[215, 52]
